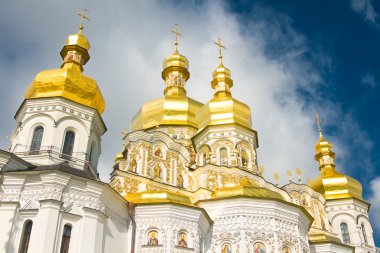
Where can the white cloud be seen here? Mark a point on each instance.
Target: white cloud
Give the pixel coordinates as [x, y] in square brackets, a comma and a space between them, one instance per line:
[366, 9]
[369, 81]
[375, 204]
[129, 41]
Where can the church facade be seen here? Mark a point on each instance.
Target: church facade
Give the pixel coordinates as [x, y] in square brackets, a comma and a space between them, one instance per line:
[186, 179]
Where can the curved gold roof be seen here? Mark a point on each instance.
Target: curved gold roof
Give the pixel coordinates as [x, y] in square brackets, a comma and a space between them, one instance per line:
[174, 108]
[330, 183]
[223, 109]
[247, 190]
[68, 81]
[158, 197]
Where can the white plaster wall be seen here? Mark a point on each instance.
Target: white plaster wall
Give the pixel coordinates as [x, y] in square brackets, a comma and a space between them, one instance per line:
[97, 214]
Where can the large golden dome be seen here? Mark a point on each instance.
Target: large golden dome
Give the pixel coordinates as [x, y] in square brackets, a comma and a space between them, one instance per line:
[174, 108]
[69, 81]
[330, 183]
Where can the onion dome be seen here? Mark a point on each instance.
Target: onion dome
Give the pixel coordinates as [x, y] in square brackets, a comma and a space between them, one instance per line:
[68, 81]
[174, 108]
[223, 109]
[331, 183]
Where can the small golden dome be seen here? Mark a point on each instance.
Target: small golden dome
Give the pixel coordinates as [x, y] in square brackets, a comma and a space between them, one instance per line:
[330, 183]
[68, 81]
[176, 62]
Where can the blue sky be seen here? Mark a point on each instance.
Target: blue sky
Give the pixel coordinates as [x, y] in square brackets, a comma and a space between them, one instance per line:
[288, 59]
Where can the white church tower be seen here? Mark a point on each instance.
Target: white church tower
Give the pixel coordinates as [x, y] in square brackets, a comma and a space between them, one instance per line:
[60, 119]
[51, 199]
[345, 206]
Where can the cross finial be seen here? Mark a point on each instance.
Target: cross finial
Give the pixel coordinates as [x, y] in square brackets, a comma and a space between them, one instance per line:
[220, 46]
[84, 18]
[319, 124]
[176, 33]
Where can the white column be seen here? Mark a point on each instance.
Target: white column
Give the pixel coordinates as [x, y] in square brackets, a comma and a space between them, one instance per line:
[44, 231]
[92, 231]
[8, 211]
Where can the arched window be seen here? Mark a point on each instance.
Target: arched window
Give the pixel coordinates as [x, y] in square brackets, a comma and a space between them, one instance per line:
[26, 236]
[345, 233]
[36, 140]
[66, 239]
[364, 234]
[244, 158]
[223, 160]
[68, 144]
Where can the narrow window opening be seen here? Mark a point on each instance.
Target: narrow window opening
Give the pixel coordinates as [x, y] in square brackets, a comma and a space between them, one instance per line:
[26, 236]
[223, 156]
[244, 159]
[345, 233]
[66, 239]
[36, 141]
[68, 145]
[364, 234]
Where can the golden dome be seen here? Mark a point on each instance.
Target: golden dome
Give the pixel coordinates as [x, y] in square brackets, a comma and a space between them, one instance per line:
[330, 183]
[246, 189]
[223, 109]
[174, 108]
[68, 81]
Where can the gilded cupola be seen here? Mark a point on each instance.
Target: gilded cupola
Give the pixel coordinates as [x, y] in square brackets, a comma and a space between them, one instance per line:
[330, 183]
[174, 108]
[223, 108]
[68, 81]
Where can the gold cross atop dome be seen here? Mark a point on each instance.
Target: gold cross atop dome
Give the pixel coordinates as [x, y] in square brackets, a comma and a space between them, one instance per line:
[176, 33]
[220, 46]
[319, 124]
[83, 18]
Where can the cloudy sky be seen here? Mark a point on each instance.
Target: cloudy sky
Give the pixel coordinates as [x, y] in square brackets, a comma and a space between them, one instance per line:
[289, 59]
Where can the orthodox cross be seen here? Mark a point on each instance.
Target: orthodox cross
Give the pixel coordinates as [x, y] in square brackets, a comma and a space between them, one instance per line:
[220, 46]
[176, 33]
[84, 18]
[319, 124]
